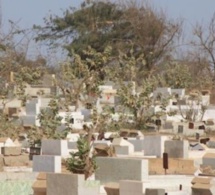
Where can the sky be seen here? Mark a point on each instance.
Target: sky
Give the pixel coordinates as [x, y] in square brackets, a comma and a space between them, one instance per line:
[26, 13]
[29, 12]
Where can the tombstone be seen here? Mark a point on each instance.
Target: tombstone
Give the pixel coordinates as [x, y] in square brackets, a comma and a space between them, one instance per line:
[177, 148]
[154, 145]
[209, 160]
[132, 187]
[137, 143]
[114, 169]
[74, 184]
[46, 163]
[122, 146]
[55, 147]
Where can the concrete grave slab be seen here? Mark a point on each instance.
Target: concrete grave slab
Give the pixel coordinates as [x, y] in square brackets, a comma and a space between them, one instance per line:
[67, 184]
[154, 145]
[55, 147]
[46, 163]
[114, 169]
[177, 148]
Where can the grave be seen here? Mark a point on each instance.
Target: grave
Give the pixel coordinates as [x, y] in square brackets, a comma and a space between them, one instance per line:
[137, 143]
[46, 163]
[71, 184]
[55, 147]
[154, 145]
[32, 110]
[114, 169]
[209, 160]
[122, 147]
[128, 187]
[177, 148]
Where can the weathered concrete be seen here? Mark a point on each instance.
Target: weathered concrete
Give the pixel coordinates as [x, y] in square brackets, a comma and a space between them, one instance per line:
[177, 148]
[112, 169]
[55, 147]
[11, 151]
[46, 163]
[67, 184]
[154, 145]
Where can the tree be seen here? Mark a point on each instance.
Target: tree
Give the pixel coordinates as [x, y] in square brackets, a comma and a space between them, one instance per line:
[135, 99]
[99, 24]
[204, 44]
[79, 78]
[80, 162]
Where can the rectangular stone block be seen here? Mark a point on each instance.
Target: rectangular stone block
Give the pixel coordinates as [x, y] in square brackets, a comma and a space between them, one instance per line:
[114, 169]
[71, 184]
[46, 163]
[155, 191]
[128, 187]
[72, 145]
[177, 148]
[138, 144]
[122, 146]
[39, 187]
[154, 145]
[55, 147]
[209, 160]
[122, 150]
[11, 151]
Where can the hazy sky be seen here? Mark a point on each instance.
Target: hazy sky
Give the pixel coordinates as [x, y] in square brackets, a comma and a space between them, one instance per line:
[30, 12]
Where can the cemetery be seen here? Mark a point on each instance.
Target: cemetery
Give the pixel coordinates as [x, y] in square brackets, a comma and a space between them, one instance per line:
[107, 98]
[177, 157]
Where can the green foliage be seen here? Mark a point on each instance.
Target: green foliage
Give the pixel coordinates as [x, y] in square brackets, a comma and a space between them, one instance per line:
[80, 78]
[50, 120]
[178, 76]
[80, 162]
